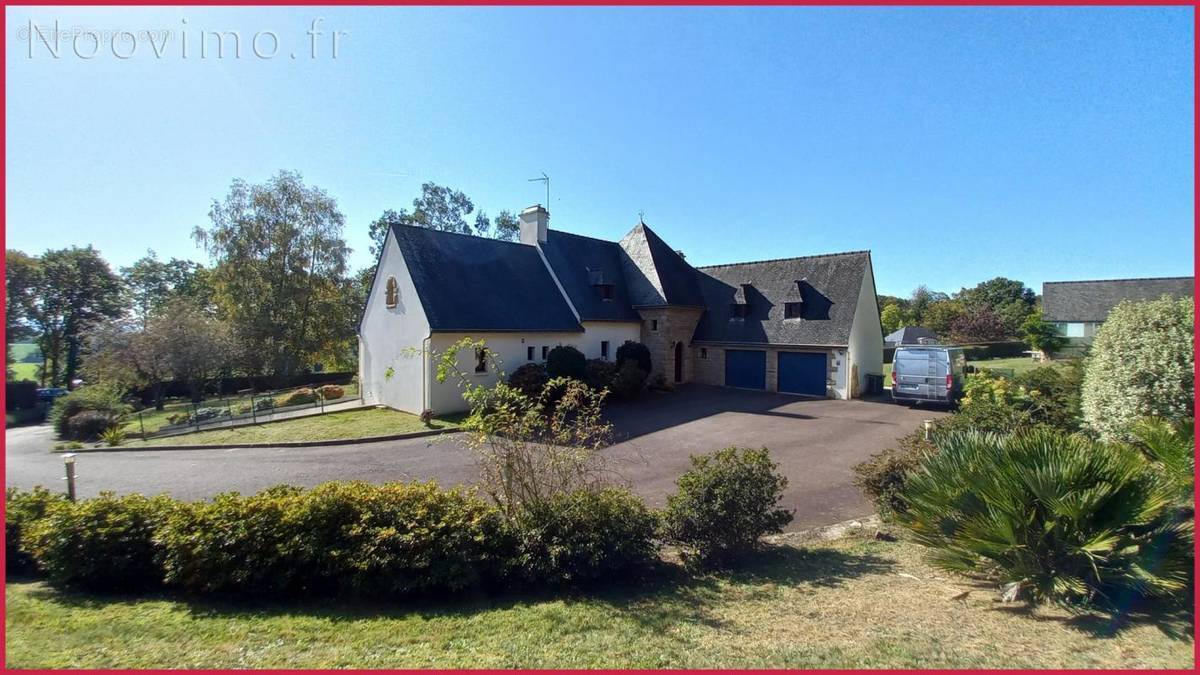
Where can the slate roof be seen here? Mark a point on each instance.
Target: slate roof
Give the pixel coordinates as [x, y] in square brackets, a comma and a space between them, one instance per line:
[909, 335]
[580, 263]
[829, 285]
[477, 284]
[1091, 301]
[656, 274]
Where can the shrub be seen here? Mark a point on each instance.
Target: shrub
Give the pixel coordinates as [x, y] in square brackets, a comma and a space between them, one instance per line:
[1054, 517]
[236, 544]
[725, 503]
[426, 416]
[1055, 393]
[566, 361]
[882, 476]
[1141, 365]
[101, 544]
[20, 395]
[113, 436]
[529, 379]
[1171, 447]
[636, 352]
[583, 538]
[90, 398]
[347, 536]
[300, 396]
[331, 392]
[90, 424]
[260, 405]
[629, 380]
[600, 374]
[1047, 396]
[21, 511]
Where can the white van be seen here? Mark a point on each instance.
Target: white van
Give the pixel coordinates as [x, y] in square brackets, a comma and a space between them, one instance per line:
[931, 373]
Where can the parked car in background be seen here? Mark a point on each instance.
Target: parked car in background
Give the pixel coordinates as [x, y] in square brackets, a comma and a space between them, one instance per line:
[928, 373]
[48, 394]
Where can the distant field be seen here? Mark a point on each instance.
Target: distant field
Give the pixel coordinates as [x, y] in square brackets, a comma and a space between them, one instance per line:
[22, 351]
[24, 371]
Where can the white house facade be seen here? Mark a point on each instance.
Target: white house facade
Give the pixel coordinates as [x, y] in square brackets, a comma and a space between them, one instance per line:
[807, 326]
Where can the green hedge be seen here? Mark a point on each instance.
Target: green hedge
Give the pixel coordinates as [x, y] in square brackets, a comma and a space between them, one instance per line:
[22, 509]
[348, 538]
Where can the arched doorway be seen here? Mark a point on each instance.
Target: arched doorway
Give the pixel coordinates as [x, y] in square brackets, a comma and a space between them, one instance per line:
[679, 362]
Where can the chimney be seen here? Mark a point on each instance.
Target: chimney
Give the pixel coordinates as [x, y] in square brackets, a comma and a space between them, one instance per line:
[534, 222]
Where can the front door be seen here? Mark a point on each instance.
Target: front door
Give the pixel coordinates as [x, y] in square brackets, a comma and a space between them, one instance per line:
[679, 362]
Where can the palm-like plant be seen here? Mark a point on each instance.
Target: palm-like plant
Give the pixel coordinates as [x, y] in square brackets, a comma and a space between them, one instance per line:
[1173, 447]
[1053, 517]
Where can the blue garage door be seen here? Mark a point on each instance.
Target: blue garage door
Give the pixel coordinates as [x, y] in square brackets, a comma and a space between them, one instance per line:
[802, 373]
[746, 369]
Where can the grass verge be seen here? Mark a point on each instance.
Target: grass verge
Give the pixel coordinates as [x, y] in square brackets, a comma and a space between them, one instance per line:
[361, 423]
[153, 420]
[1017, 364]
[854, 603]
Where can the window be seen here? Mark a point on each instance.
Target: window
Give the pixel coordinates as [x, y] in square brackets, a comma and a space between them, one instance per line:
[739, 310]
[604, 349]
[791, 310]
[1075, 330]
[392, 296]
[529, 353]
[653, 324]
[606, 291]
[704, 352]
[481, 360]
[545, 352]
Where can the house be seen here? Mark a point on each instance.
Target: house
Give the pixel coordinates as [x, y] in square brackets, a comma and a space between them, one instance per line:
[806, 325]
[909, 335]
[1077, 308]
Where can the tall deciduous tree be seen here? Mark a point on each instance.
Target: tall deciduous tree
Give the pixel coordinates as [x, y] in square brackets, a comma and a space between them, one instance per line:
[279, 259]
[76, 290]
[442, 208]
[21, 279]
[151, 282]
[1008, 299]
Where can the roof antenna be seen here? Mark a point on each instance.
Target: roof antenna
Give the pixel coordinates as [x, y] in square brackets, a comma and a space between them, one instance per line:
[546, 180]
[641, 217]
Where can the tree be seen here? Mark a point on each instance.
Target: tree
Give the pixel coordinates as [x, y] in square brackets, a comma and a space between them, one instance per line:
[921, 299]
[442, 208]
[940, 316]
[1141, 365]
[194, 347]
[21, 280]
[279, 263]
[76, 289]
[1040, 334]
[894, 317]
[1008, 299]
[151, 282]
[979, 324]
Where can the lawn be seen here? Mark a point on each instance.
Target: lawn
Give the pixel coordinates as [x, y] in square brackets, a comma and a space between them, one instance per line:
[361, 423]
[1017, 364]
[854, 603]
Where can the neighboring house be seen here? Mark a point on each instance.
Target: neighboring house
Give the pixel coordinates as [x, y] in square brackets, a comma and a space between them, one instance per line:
[1077, 308]
[807, 325]
[909, 335]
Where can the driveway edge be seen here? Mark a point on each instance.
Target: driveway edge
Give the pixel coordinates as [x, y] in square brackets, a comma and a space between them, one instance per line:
[281, 444]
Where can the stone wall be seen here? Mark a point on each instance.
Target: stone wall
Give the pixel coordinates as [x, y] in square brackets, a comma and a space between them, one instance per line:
[674, 324]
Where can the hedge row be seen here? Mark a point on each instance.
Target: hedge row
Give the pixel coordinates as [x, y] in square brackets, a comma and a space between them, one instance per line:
[397, 539]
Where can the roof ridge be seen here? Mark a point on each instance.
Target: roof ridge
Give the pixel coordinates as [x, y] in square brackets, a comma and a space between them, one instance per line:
[457, 234]
[798, 257]
[1094, 281]
[584, 236]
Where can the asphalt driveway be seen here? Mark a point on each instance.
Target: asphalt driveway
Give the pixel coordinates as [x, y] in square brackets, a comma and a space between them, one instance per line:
[815, 443]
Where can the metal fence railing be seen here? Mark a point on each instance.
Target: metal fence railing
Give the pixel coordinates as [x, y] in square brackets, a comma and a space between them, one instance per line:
[243, 408]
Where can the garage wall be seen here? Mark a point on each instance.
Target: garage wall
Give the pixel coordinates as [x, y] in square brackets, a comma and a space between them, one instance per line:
[712, 370]
[866, 335]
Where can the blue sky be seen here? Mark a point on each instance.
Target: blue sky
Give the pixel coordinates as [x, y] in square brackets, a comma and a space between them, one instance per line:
[956, 144]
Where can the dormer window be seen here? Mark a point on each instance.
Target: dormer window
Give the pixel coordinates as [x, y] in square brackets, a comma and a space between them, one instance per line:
[392, 293]
[739, 310]
[791, 310]
[793, 302]
[603, 286]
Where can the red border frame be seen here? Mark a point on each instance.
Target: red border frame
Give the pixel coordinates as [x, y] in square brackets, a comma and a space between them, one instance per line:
[626, 3]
